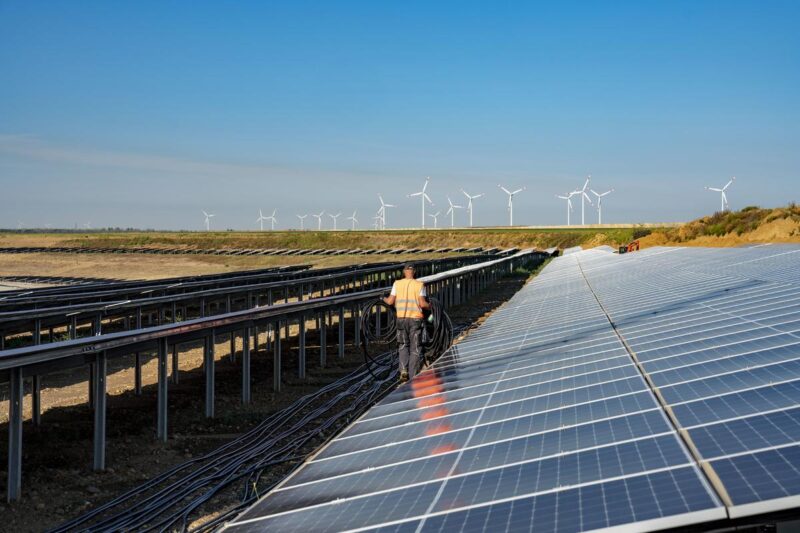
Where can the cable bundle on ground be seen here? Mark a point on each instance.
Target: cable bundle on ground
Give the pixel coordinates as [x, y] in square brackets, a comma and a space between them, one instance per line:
[170, 501]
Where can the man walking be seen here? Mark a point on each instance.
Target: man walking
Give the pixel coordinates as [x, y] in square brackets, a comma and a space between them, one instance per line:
[408, 297]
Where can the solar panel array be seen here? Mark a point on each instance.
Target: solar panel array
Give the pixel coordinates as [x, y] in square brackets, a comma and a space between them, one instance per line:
[648, 390]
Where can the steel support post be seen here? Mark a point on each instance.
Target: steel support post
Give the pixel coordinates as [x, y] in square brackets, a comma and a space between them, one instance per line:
[137, 371]
[209, 364]
[341, 332]
[323, 340]
[246, 365]
[233, 346]
[36, 399]
[14, 481]
[161, 419]
[301, 352]
[175, 364]
[99, 370]
[276, 357]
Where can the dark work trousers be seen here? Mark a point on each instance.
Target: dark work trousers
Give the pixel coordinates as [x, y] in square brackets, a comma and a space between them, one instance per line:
[409, 340]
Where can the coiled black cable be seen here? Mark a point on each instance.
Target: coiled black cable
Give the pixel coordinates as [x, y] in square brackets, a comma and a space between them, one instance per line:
[437, 338]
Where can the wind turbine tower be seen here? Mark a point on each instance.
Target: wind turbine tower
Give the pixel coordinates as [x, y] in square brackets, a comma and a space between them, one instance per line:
[510, 202]
[600, 203]
[423, 198]
[723, 196]
[452, 211]
[469, 203]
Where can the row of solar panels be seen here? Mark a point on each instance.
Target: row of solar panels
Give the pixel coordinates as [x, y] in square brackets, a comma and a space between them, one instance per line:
[55, 280]
[251, 251]
[642, 391]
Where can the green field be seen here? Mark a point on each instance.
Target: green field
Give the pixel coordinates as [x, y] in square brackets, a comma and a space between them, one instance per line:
[467, 237]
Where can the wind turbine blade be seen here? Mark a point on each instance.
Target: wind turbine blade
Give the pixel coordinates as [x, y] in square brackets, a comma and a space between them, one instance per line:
[713, 189]
[518, 191]
[428, 179]
[416, 194]
[504, 189]
[428, 198]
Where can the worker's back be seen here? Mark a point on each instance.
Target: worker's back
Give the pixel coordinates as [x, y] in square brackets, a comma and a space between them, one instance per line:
[407, 292]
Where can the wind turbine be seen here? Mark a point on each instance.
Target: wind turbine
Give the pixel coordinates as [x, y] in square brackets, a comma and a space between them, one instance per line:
[723, 197]
[261, 218]
[354, 220]
[319, 219]
[600, 203]
[382, 211]
[272, 219]
[334, 217]
[423, 198]
[585, 196]
[377, 222]
[208, 220]
[88, 225]
[302, 218]
[469, 204]
[568, 198]
[20, 225]
[510, 202]
[435, 218]
[452, 211]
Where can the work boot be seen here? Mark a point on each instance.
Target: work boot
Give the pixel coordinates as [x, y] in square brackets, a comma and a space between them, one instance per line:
[403, 377]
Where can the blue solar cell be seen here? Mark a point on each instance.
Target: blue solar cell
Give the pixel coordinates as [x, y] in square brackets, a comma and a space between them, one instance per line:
[715, 408]
[751, 433]
[760, 476]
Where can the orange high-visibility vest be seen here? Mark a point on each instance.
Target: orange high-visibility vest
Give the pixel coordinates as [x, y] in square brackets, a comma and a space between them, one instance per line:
[406, 298]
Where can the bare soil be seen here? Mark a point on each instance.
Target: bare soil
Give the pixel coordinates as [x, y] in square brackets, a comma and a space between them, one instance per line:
[153, 266]
[58, 482]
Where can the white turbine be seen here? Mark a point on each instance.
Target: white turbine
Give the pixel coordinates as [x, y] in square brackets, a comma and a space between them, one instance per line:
[261, 218]
[435, 218]
[469, 204]
[302, 218]
[600, 203]
[452, 211]
[319, 219]
[334, 217]
[568, 198]
[382, 211]
[510, 202]
[423, 198]
[272, 219]
[723, 197]
[354, 220]
[208, 220]
[88, 225]
[584, 196]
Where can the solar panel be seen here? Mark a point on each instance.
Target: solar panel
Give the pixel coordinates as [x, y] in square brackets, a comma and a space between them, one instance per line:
[560, 412]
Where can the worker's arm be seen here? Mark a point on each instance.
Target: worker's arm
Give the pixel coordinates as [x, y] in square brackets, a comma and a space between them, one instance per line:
[422, 299]
[392, 296]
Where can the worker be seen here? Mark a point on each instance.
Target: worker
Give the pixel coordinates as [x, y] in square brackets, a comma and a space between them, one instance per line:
[408, 296]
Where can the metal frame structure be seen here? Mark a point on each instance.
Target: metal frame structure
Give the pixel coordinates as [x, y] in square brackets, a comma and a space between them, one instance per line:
[451, 287]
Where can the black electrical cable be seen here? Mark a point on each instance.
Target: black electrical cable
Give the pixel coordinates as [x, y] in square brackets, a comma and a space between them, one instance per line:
[169, 501]
[437, 339]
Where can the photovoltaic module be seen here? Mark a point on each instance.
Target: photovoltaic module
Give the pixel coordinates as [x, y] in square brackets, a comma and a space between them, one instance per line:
[640, 391]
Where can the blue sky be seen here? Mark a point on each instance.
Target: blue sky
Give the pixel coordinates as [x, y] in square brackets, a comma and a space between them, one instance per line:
[144, 113]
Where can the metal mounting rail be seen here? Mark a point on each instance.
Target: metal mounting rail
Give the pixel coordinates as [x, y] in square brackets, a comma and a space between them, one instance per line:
[452, 287]
[226, 299]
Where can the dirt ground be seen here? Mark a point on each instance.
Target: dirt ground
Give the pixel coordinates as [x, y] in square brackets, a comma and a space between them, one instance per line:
[153, 266]
[58, 482]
